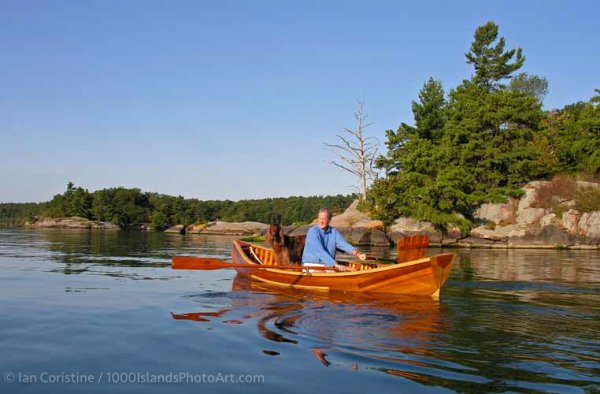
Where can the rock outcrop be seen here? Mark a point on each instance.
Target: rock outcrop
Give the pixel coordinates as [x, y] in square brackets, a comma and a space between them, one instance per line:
[177, 229]
[242, 228]
[523, 224]
[403, 227]
[73, 222]
[359, 229]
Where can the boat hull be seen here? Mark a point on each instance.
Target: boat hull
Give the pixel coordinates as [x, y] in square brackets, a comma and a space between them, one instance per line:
[422, 277]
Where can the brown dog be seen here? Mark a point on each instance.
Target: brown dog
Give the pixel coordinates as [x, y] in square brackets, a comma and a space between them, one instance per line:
[288, 250]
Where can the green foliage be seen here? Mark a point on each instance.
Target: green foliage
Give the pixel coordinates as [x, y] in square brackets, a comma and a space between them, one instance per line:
[587, 199]
[534, 85]
[159, 221]
[474, 148]
[15, 214]
[130, 207]
[479, 145]
[489, 138]
[574, 134]
[76, 201]
[283, 210]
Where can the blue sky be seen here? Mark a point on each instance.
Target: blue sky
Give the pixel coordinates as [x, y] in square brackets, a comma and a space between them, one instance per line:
[234, 99]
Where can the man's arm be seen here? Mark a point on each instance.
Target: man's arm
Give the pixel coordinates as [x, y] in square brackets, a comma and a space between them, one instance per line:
[342, 244]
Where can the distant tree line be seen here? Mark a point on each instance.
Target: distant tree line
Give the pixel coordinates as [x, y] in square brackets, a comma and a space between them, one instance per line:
[129, 208]
[16, 214]
[482, 141]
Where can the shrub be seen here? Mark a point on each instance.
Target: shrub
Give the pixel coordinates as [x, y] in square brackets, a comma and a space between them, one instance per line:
[559, 189]
[587, 199]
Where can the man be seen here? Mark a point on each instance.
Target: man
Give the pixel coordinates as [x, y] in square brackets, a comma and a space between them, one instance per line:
[322, 241]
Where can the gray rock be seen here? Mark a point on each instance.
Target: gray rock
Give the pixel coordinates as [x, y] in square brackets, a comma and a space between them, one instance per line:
[589, 226]
[569, 221]
[352, 217]
[529, 215]
[302, 230]
[472, 242]
[549, 220]
[178, 229]
[497, 213]
[530, 193]
[196, 228]
[72, 222]
[241, 228]
[404, 227]
[584, 247]
[529, 244]
[365, 236]
[499, 233]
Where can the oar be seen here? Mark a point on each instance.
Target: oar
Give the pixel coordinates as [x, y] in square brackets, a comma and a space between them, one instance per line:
[206, 263]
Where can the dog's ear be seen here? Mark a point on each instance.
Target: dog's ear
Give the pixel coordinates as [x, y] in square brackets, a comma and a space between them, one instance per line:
[269, 235]
[281, 232]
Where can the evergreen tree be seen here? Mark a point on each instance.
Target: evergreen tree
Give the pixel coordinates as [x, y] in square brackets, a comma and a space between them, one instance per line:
[418, 183]
[573, 133]
[492, 62]
[532, 84]
[474, 148]
[489, 134]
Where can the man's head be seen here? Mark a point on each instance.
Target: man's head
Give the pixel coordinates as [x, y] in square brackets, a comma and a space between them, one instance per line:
[324, 218]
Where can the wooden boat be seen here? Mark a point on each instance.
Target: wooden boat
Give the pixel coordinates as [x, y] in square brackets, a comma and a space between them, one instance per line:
[424, 276]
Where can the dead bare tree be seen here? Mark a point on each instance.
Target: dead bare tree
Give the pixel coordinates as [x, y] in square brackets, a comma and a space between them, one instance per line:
[357, 153]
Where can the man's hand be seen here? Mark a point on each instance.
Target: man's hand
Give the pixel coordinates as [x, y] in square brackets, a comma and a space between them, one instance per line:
[358, 255]
[343, 268]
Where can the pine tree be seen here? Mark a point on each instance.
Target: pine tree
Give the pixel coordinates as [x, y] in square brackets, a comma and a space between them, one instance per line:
[492, 62]
[417, 183]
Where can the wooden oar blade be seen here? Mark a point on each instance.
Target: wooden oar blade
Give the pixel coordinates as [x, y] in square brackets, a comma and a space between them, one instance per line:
[412, 248]
[197, 263]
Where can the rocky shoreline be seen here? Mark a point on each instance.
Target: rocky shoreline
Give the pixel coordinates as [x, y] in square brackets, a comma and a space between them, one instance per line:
[72, 222]
[516, 224]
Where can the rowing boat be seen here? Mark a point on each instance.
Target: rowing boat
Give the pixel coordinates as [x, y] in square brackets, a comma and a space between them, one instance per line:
[423, 277]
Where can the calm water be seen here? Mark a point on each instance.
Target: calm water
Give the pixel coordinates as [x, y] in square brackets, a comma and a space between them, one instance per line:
[104, 312]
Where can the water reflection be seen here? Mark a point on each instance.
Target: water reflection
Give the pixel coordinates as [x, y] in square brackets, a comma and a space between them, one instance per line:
[360, 325]
[472, 341]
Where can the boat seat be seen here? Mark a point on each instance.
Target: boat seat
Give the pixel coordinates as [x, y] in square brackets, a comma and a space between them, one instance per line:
[262, 255]
[253, 253]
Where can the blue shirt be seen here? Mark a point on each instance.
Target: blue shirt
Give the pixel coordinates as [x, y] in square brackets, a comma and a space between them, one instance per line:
[321, 246]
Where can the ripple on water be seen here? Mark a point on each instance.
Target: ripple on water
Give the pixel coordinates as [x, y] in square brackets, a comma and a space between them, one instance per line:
[483, 341]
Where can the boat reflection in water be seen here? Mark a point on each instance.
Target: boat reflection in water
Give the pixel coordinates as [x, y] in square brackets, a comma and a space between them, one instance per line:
[356, 330]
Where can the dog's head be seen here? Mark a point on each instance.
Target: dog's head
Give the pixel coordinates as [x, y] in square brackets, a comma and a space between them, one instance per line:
[275, 235]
